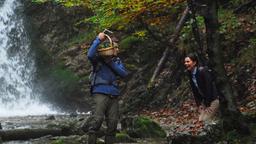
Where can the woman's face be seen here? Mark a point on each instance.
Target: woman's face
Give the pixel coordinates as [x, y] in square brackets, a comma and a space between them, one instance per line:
[189, 64]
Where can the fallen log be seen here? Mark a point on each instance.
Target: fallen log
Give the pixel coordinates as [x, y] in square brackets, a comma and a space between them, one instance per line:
[25, 134]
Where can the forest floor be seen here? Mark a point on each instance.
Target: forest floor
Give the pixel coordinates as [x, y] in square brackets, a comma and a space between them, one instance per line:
[182, 120]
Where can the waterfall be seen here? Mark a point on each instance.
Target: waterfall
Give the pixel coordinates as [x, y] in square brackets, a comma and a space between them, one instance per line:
[17, 66]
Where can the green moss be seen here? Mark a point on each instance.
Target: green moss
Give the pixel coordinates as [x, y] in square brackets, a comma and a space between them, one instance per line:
[43, 1]
[64, 75]
[39, 1]
[59, 141]
[63, 84]
[121, 135]
[145, 127]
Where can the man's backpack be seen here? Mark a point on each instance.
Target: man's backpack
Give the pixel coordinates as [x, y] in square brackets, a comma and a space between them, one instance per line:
[94, 80]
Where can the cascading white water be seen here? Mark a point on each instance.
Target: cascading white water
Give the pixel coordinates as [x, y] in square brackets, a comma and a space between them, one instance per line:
[17, 67]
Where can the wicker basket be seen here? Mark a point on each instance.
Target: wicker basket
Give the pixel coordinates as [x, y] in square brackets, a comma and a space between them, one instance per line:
[109, 51]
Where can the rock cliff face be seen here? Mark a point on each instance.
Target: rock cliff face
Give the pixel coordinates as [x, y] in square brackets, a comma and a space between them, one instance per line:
[54, 25]
[63, 63]
[62, 67]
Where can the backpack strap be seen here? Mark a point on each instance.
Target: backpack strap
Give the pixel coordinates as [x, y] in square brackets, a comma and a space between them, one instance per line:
[103, 62]
[94, 80]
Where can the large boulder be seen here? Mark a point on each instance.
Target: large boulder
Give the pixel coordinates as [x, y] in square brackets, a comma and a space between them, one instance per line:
[142, 127]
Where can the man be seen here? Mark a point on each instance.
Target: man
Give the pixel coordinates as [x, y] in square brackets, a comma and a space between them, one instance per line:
[203, 87]
[104, 90]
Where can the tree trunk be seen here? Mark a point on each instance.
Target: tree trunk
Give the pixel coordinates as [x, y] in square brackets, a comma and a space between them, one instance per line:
[230, 114]
[175, 36]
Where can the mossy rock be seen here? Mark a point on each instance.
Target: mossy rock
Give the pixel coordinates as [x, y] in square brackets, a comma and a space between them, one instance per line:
[142, 127]
[123, 137]
[59, 141]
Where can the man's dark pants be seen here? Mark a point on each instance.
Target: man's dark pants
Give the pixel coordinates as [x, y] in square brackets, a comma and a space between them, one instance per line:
[106, 107]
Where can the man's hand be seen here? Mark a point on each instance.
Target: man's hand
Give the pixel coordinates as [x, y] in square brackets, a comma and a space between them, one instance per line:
[102, 36]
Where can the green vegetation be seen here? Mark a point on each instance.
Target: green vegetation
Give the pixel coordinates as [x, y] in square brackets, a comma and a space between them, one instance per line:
[123, 137]
[60, 73]
[68, 3]
[248, 55]
[39, 1]
[79, 39]
[228, 21]
[128, 42]
[59, 141]
[65, 77]
[119, 14]
[187, 29]
[62, 85]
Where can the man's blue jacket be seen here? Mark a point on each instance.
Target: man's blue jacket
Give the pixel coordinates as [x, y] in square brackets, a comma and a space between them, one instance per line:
[104, 72]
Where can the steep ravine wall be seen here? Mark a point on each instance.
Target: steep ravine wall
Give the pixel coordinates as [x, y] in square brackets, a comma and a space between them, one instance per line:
[52, 28]
[60, 67]
[63, 63]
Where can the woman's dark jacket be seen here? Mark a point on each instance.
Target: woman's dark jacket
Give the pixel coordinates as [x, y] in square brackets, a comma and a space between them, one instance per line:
[206, 91]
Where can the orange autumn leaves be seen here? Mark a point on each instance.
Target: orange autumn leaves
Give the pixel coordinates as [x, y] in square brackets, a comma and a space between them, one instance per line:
[122, 12]
[183, 118]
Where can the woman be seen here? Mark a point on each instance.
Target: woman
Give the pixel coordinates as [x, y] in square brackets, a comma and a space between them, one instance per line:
[203, 87]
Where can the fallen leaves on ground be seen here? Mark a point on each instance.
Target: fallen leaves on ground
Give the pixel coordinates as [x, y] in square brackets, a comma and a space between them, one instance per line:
[182, 119]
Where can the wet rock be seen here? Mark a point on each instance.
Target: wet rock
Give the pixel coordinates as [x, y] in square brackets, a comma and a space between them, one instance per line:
[142, 127]
[124, 138]
[208, 135]
[251, 105]
[73, 114]
[50, 118]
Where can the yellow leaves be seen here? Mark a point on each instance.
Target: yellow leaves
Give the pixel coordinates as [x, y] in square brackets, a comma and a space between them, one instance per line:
[140, 33]
[122, 12]
[158, 20]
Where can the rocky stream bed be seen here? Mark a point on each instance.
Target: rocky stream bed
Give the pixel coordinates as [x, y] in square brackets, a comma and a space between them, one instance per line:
[46, 121]
[180, 126]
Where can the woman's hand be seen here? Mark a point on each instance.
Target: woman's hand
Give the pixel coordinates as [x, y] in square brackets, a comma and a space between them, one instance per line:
[201, 108]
